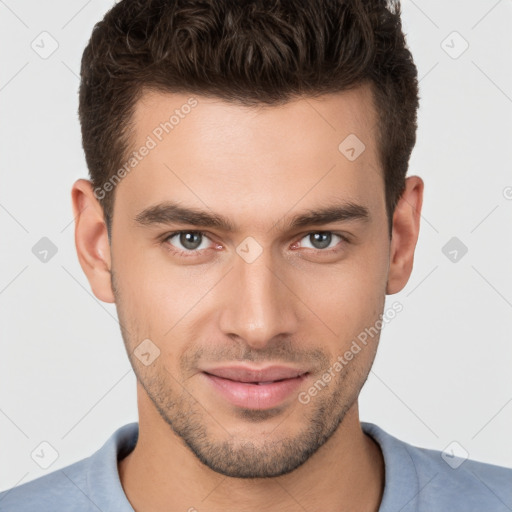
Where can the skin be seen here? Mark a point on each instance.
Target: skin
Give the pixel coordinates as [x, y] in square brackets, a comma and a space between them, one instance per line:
[294, 305]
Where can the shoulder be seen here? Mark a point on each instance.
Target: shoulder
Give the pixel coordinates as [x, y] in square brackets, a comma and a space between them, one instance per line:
[90, 484]
[426, 479]
[474, 485]
[66, 487]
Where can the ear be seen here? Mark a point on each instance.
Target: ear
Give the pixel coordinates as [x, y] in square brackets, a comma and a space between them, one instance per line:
[91, 240]
[406, 227]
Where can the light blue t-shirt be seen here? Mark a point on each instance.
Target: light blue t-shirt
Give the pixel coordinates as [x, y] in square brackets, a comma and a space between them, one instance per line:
[416, 480]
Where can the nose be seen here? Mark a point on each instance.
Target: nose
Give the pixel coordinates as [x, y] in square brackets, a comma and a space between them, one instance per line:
[258, 303]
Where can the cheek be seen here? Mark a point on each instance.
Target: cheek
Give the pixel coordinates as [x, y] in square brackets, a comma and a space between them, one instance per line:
[344, 299]
[159, 296]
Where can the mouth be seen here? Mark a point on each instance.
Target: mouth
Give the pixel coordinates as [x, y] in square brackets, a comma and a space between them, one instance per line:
[257, 383]
[255, 375]
[255, 388]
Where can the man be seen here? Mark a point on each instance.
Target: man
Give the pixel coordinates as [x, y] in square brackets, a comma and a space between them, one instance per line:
[248, 212]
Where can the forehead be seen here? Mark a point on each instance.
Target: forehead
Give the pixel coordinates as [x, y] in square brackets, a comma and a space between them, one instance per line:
[206, 152]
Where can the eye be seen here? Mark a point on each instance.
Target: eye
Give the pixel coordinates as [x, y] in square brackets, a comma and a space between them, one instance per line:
[187, 241]
[321, 240]
[191, 243]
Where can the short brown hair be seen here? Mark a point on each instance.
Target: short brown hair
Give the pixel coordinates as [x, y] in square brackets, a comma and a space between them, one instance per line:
[249, 52]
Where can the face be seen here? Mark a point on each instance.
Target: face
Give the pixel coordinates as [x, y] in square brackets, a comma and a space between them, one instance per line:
[258, 289]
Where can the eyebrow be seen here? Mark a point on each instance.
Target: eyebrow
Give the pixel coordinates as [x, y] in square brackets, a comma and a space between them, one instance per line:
[172, 213]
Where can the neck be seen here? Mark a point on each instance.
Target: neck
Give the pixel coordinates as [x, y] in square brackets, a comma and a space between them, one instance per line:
[346, 473]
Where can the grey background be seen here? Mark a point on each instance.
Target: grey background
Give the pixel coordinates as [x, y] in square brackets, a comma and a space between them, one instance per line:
[442, 374]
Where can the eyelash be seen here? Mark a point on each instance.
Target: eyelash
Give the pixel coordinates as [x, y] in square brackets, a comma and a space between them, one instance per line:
[192, 253]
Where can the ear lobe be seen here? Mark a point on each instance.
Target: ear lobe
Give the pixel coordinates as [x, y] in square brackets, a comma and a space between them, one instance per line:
[91, 240]
[406, 226]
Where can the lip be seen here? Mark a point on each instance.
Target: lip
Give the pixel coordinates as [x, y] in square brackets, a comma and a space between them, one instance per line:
[248, 374]
[251, 388]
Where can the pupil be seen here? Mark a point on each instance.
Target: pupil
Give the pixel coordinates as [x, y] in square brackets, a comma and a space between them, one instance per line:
[186, 239]
[321, 240]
